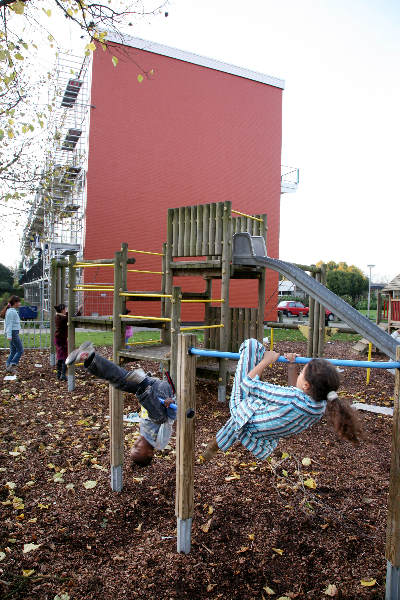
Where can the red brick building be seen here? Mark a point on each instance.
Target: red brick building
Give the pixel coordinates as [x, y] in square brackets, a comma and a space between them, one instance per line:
[193, 131]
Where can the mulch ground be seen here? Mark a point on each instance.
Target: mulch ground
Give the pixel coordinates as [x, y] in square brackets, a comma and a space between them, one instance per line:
[273, 529]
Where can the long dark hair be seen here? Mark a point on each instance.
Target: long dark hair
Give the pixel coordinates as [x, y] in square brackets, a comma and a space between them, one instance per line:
[323, 378]
[13, 300]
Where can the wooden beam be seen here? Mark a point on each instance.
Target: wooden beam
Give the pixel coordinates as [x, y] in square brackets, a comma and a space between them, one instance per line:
[71, 324]
[393, 520]
[185, 439]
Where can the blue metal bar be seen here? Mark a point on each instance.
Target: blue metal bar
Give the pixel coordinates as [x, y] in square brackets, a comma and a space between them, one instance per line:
[302, 360]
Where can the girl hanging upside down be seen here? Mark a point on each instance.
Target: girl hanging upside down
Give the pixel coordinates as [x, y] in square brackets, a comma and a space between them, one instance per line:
[262, 413]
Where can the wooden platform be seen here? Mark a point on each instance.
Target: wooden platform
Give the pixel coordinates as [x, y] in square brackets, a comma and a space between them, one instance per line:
[206, 367]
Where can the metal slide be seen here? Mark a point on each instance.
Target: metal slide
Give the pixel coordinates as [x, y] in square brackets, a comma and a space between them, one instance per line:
[250, 250]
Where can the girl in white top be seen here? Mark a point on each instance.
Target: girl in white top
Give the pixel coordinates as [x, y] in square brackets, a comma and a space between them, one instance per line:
[12, 326]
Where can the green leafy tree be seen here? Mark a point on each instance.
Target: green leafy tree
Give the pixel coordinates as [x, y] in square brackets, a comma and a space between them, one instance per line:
[27, 100]
[345, 280]
[6, 279]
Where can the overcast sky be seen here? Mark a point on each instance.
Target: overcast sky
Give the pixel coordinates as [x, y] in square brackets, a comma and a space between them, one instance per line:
[340, 62]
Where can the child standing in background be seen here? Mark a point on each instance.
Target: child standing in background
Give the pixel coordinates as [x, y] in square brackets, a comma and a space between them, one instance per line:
[61, 339]
[128, 330]
[12, 326]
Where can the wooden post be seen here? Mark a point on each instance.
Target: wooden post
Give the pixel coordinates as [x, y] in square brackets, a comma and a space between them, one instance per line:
[62, 269]
[310, 340]
[71, 312]
[322, 317]
[52, 311]
[261, 286]
[393, 522]
[116, 396]
[207, 312]
[165, 339]
[317, 311]
[171, 231]
[379, 308]
[186, 398]
[225, 313]
[175, 329]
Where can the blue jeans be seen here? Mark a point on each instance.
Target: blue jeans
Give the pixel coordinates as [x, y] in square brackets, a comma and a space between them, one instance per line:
[16, 349]
[148, 392]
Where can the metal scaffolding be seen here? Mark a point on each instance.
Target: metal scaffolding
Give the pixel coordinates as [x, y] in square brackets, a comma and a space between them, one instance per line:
[56, 220]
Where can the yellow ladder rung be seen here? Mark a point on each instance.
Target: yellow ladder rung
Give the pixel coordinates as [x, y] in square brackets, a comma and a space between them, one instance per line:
[202, 327]
[82, 265]
[146, 295]
[146, 252]
[144, 342]
[145, 318]
[140, 271]
[212, 300]
[93, 289]
[248, 216]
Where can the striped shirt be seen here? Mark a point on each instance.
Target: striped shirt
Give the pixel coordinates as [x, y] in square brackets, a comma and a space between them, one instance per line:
[261, 412]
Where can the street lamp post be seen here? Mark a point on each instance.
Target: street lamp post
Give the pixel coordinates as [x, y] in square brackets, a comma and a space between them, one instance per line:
[369, 288]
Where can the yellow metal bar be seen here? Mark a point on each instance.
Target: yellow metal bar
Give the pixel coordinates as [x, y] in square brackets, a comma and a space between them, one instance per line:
[139, 271]
[84, 265]
[142, 317]
[369, 359]
[145, 252]
[248, 216]
[93, 289]
[201, 327]
[146, 295]
[145, 342]
[212, 300]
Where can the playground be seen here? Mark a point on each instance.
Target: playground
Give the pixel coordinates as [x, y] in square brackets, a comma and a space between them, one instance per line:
[309, 523]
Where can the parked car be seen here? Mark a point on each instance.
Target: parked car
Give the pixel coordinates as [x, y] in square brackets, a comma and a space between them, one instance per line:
[290, 308]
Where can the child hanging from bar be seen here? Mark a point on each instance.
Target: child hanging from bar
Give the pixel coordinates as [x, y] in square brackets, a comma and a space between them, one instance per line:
[155, 395]
[61, 338]
[262, 413]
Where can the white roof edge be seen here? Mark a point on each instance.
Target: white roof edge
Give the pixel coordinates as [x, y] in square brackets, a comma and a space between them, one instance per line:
[195, 59]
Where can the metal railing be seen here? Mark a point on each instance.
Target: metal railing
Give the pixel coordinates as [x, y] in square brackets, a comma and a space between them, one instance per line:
[34, 335]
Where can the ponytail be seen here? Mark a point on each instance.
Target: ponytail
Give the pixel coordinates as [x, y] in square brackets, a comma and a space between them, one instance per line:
[324, 380]
[13, 300]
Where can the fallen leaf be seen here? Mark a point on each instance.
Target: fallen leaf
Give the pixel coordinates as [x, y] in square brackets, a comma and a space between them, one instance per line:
[90, 484]
[69, 486]
[30, 547]
[211, 586]
[27, 572]
[139, 527]
[43, 506]
[368, 582]
[285, 455]
[2, 556]
[310, 483]
[331, 590]
[232, 477]
[306, 462]
[269, 591]
[210, 510]
[251, 536]
[278, 551]
[206, 526]
[242, 549]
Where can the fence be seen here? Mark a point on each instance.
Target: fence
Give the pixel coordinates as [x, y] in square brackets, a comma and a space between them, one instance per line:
[34, 335]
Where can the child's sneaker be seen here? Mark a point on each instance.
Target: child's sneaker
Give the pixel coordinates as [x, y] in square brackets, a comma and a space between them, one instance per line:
[81, 353]
[136, 376]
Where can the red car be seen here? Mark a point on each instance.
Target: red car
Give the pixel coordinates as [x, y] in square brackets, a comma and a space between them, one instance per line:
[290, 308]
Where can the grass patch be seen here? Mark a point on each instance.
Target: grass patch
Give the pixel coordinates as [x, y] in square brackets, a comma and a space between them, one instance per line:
[294, 335]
